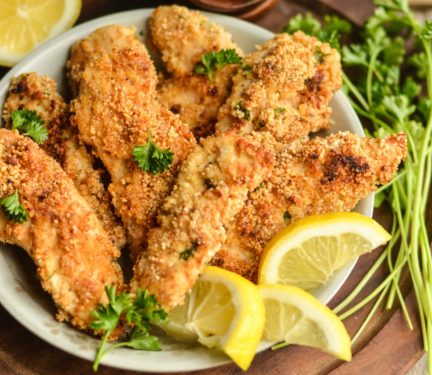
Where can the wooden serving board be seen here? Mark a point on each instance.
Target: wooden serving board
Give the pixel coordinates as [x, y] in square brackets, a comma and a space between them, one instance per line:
[387, 346]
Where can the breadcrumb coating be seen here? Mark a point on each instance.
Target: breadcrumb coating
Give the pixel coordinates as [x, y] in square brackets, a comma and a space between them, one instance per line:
[197, 100]
[116, 110]
[211, 188]
[104, 39]
[39, 93]
[74, 256]
[182, 36]
[310, 177]
[285, 90]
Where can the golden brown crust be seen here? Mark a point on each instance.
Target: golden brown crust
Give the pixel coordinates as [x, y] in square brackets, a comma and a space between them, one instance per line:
[39, 93]
[116, 110]
[104, 39]
[196, 99]
[74, 256]
[317, 176]
[211, 188]
[183, 35]
[286, 91]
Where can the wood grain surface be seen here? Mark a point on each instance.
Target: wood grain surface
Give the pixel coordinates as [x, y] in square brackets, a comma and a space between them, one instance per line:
[386, 347]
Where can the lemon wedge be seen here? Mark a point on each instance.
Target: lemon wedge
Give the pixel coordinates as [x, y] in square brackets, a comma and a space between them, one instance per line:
[296, 317]
[307, 252]
[224, 311]
[24, 24]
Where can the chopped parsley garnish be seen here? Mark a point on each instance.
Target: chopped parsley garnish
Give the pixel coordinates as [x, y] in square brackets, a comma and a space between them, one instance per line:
[280, 110]
[13, 209]
[319, 55]
[136, 314]
[246, 113]
[186, 254]
[213, 62]
[286, 216]
[259, 187]
[29, 123]
[151, 158]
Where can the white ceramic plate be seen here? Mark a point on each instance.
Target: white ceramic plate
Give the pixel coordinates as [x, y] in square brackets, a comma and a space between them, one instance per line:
[20, 292]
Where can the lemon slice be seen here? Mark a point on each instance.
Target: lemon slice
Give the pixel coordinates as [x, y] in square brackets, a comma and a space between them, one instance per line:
[296, 317]
[24, 24]
[307, 252]
[225, 311]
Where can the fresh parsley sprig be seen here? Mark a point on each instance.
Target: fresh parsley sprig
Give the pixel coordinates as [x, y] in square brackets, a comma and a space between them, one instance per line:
[13, 209]
[29, 123]
[393, 99]
[151, 158]
[330, 31]
[213, 62]
[137, 314]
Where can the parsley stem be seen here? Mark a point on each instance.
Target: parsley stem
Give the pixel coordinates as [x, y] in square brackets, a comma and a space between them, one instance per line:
[355, 91]
[101, 350]
[371, 68]
[370, 314]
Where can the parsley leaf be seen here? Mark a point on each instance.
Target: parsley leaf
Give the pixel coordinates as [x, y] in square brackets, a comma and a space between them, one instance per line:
[13, 209]
[138, 313]
[426, 32]
[211, 63]
[306, 23]
[29, 123]
[151, 158]
[331, 30]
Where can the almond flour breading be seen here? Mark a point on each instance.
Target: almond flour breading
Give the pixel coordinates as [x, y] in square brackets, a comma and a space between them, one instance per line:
[311, 177]
[116, 110]
[74, 256]
[211, 189]
[39, 93]
[285, 90]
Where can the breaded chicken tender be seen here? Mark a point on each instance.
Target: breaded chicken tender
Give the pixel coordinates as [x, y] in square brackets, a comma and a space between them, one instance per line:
[39, 93]
[75, 257]
[211, 188]
[197, 100]
[285, 91]
[104, 39]
[116, 110]
[182, 36]
[311, 177]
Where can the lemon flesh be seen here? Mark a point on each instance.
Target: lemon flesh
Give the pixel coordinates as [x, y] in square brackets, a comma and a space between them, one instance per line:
[24, 24]
[296, 317]
[307, 252]
[224, 311]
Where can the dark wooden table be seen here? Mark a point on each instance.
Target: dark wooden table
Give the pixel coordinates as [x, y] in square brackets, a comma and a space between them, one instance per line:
[386, 347]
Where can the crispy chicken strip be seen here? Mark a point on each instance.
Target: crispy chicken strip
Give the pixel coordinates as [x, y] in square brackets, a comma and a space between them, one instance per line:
[75, 257]
[182, 36]
[211, 188]
[286, 91]
[104, 39]
[317, 176]
[39, 93]
[116, 110]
